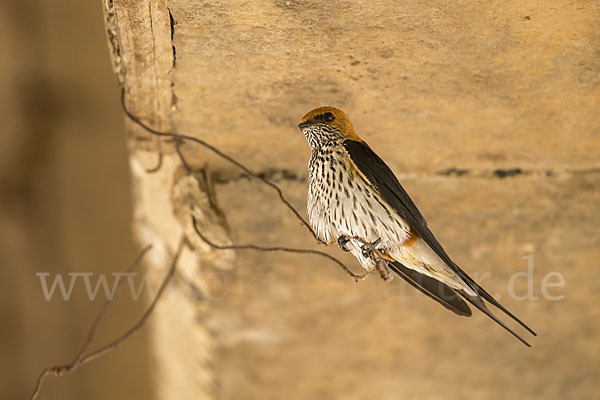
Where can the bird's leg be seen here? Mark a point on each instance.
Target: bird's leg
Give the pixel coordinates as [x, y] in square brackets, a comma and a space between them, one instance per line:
[342, 241]
[367, 249]
[370, 250]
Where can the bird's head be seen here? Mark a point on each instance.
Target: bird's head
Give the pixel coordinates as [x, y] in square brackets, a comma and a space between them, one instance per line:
[326, 125]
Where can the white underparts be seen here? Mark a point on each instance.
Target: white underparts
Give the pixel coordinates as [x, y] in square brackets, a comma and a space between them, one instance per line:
[341, 202]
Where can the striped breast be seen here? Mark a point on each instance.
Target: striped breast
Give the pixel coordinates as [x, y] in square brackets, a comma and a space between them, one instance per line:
[341, 202]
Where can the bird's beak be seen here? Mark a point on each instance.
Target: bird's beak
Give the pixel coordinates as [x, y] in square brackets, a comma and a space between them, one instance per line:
[303, 125]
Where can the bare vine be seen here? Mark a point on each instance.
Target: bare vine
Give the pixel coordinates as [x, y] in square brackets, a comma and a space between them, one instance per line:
[356, 277]
[177, 139]
[180, 137]
[81, 359]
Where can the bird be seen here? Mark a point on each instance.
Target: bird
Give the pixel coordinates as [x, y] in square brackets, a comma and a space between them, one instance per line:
[356, 202]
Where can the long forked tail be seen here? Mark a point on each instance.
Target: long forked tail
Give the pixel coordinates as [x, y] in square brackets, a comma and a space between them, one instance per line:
[450, 299]
[487, 297]
[477, 302]
[432, 288]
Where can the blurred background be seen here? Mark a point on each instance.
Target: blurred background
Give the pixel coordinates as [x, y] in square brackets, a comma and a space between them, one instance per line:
[489, 112]
[64, 200]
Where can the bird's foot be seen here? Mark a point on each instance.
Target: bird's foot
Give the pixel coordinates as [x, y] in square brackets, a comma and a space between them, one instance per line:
[343, 241]
[367, 250]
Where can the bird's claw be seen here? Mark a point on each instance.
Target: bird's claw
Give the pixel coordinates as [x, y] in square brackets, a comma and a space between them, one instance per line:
[381, 264]
[342, 242]
[367, 251]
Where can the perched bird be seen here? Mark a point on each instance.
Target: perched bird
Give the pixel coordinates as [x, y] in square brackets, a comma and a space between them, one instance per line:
[355, 201]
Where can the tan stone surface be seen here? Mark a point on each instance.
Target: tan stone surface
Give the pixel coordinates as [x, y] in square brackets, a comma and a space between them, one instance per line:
[297, 327]
[452, 95]
[474, 87]
[433, 86]
[464, 87]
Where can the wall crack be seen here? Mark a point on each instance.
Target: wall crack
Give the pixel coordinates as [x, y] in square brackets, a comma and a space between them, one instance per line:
[288, 175]
[172, 23]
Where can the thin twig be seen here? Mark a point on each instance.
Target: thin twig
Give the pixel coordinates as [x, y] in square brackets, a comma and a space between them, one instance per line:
[178, 139]
[277, 248]
[61, 370]
[218, 152]
[92, 331]
[158, 164]
[184, 162]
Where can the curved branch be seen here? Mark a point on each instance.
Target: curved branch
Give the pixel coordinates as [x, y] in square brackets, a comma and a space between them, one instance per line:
[81, 360]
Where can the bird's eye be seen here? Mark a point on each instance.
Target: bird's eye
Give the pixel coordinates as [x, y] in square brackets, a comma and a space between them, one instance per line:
[328, 117]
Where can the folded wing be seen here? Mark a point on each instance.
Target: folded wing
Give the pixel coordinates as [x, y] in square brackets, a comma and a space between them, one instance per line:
[374, 169]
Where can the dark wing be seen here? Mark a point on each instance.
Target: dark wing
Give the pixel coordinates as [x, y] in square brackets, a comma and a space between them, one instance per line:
[433, 289]
[383, 179]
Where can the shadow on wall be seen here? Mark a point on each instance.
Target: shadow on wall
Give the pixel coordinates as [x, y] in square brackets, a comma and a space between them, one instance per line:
[64, 200]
